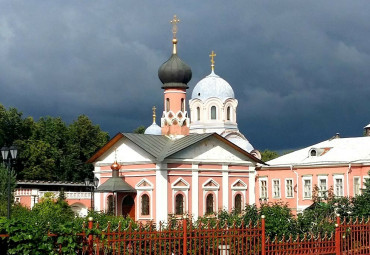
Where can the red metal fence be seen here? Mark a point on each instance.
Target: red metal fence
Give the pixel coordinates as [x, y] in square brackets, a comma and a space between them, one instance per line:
[350, 238]
[180, 238]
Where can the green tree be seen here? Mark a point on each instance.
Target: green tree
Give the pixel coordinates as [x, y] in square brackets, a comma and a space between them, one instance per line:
[279, 219]
[37, 158]
[84, 139]
[139, 130]
[13, 127]
[268, 155]
[361, 203]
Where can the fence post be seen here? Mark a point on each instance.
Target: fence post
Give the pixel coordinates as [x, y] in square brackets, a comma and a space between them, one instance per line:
[263, 244]
[90, 239]
[184, 247]
[337, 236]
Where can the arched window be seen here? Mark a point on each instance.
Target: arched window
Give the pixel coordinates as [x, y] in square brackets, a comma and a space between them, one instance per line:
[167, 104]
[110, 204]
[198, 113]
[228, 113]
[182, 105]
[238, 203]
[145, 204]
[213, 112]
[179, 206]
[209, 204]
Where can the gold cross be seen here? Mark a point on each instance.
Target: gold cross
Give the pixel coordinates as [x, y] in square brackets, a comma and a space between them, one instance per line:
[212, 60]
[154, 113]
[174, 22]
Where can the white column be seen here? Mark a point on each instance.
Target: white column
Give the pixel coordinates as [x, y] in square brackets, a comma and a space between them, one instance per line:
[252, 185]
[225, 187]
[195, 191]
[161, 197]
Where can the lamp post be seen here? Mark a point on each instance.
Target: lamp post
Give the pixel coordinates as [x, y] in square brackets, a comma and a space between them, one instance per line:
[93, 185]
[7, 159]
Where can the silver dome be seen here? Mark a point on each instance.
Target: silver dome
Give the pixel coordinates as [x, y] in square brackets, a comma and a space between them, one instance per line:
[212, 86]
[153, 129]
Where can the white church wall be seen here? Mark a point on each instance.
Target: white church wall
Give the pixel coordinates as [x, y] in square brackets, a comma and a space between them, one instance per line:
[125, 151]
[210, 150]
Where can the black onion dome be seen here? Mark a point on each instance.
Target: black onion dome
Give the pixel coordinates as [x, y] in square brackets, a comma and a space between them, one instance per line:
[174, 73]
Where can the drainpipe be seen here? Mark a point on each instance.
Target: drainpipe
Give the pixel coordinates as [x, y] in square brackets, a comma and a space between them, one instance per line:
[349, 169]
[297, 181]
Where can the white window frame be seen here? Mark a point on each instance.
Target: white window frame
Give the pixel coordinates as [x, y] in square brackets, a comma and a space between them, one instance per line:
[141, 191]
[210, 189]
[335, 178]
[304, 179]
[319, 178]
[359, 185]
[185, 192]
[260, 180]
[278, 188]
[216, 113]
[286, 187]
[239, 190]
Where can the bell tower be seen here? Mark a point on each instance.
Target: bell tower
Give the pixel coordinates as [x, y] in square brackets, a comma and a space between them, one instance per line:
[175, 75]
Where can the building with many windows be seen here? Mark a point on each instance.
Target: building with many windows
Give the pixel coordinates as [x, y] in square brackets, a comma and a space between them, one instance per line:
[340, 164]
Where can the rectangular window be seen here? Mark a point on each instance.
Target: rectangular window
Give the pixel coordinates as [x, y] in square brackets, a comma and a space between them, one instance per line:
[338, 186]
[323, 186]
[289, 188]
[276, 188]
[307, 187]
[356, 186]
[263, 188]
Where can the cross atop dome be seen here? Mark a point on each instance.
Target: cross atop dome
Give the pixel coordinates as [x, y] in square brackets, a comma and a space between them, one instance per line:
[213, 54]
[174, 22]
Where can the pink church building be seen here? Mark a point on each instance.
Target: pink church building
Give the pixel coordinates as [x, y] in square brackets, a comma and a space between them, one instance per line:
[199, 163]
[193, 165]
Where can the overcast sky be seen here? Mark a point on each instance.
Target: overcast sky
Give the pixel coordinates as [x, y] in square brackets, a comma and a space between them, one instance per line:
[300, 69]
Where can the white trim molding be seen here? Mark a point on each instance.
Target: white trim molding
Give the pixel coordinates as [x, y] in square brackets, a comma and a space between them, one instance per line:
[141, 190]
[210, 189]
[239, 190]
[286, 187]
[183, 189]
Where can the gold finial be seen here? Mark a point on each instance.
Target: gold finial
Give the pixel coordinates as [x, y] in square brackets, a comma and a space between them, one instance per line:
[212, 56]
[174, 22]
[154, 113]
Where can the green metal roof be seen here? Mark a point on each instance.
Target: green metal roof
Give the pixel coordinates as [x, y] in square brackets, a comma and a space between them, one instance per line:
[160, 146]
[115, 184]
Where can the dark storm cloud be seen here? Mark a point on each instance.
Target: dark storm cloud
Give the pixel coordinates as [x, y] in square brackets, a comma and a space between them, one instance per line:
[300, 69]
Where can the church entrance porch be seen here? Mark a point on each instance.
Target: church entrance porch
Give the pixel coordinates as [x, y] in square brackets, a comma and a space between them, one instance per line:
[128, 206]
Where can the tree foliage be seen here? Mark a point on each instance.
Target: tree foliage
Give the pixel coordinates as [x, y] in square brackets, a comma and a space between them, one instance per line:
[268, 155]
[49, 149]
[139, 130]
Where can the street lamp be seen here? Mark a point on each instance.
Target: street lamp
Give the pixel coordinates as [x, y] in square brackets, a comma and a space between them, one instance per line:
[93, 185]
[7, 159]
